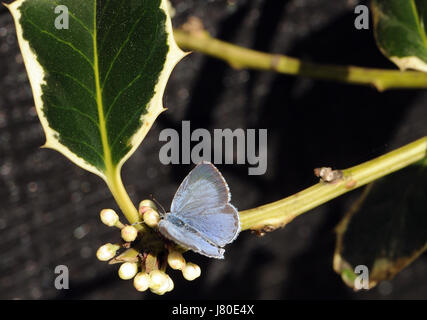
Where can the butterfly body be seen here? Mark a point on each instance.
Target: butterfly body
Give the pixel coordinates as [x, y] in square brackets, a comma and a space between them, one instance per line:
[202, 218]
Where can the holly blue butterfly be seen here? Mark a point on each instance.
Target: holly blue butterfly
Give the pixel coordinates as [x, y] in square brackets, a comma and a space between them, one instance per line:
[201, 217]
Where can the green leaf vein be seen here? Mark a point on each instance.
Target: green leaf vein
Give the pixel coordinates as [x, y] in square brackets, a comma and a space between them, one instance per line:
[110, 107]
[62, 41]
[120, 51]
[137, 112]
[76, 111]
[421, 31]
[85, 144]
[77, 20]
[92, 94]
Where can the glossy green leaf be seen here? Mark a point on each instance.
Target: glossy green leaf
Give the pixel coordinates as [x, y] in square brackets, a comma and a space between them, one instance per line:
[98, 85]
[400, 31]
[386, 229]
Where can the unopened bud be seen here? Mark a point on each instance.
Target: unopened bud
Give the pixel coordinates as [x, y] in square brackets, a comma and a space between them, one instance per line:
[151, 218]
[129, 233]
[109, 217]
[128, 270]
[191, 271]
[165, 287]
[175, 260]
[144, 205]
[157, 279]
[107, 251]
[141, 281]
[170, 284]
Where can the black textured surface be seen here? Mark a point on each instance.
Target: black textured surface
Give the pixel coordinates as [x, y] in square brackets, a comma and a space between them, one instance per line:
[49, 207]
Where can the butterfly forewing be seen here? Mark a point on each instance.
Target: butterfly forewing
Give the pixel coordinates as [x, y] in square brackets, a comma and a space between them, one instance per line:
[203, 188]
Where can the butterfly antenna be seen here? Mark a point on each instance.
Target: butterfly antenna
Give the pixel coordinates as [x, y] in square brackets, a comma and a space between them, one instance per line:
[139, 222]
[158, 204]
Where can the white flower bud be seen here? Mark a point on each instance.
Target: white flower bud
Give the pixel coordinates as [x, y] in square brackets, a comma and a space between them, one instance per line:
[128, 270]
[191, 271]
[147, 204]
[141, 281]
[165, 287]
[171, 284]
[151, 218]
[157, 279]
[175, 260]
[129, 233]
[109, 217]
[160, 293]
[107, 251]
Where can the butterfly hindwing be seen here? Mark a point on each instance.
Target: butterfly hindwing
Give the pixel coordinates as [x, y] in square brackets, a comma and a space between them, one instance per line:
[219, 225]
[188, 238]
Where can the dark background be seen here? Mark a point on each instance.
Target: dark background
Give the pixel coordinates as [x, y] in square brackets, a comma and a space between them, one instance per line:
[49, 207]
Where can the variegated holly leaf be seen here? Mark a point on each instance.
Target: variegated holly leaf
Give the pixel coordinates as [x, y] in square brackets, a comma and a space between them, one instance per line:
[400, 31]
[98, 80]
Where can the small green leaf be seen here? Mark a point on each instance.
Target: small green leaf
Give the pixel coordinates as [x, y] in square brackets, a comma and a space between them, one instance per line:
[400, 31]
[98, 85]
[386, 229]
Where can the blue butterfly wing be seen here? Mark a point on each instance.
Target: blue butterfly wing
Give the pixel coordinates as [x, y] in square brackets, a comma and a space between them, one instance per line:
[202, 202]
[187, 237]
[203, 188]
[218, 225]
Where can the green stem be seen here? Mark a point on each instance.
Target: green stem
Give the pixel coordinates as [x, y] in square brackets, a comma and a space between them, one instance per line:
[123, 200]
[240, 57]
[277, 214]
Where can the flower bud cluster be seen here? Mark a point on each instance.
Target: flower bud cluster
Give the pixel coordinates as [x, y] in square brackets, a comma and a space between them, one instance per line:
[155, 279]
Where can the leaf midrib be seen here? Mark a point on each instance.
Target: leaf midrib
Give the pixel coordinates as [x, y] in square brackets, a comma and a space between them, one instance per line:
[102, 124]
[420, 28]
